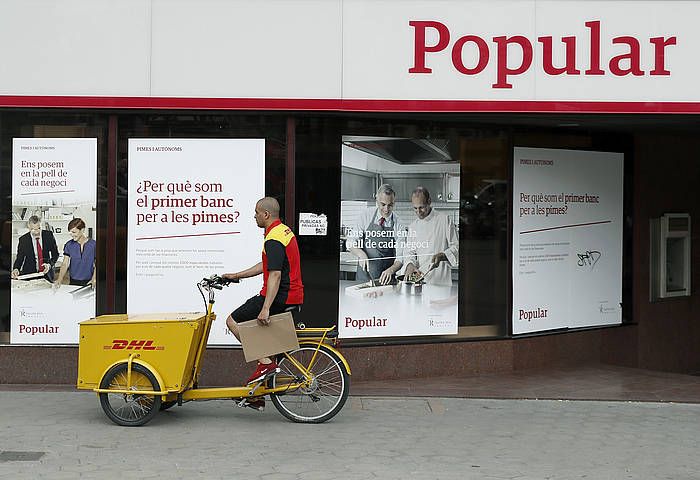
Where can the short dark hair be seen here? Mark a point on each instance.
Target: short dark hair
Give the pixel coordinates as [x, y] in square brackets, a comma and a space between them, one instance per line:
[76, 223]
[419, 190]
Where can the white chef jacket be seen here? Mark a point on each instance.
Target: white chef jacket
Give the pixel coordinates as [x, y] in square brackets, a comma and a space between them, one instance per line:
[433, 234]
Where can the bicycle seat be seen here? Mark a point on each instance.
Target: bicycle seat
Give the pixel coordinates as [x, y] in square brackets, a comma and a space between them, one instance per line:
[294, 310]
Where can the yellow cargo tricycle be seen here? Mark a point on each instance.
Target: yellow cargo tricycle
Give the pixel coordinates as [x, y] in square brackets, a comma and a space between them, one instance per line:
[141, 364]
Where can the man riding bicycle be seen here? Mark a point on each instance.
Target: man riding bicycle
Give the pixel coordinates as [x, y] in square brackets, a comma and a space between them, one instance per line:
[282, 286]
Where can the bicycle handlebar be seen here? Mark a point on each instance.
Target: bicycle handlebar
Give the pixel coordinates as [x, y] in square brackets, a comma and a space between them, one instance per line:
[217, 282]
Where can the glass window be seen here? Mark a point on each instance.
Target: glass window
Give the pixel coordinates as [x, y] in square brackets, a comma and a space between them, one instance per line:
[48, 124]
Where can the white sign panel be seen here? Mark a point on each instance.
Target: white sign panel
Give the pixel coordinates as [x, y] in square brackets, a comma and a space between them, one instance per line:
[347, 54]
[53, 183]
[567, 239]
[313, 224]
[191, 207]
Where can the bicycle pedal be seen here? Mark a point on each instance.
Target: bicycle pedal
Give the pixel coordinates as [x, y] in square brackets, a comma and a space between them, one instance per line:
[258, 405]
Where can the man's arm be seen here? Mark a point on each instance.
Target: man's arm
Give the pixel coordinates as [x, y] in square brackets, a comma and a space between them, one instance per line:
[355, 239]
[21, 256]
[273, 286]
[451, 253]
[53, 249]
[250, 272]
[410, 254]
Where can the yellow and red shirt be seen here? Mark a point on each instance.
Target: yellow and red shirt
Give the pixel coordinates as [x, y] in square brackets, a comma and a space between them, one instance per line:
[281, 252]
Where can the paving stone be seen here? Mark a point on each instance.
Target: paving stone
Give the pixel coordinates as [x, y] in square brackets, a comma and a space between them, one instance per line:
[373, 437]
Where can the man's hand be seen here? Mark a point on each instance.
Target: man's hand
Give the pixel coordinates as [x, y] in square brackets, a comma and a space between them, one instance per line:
[362, 261]
[363, 264]
[264, 316]
[230, 276]
[410, 268]
[14, 274]
[45, 268]
[438, 257]
[385, 277]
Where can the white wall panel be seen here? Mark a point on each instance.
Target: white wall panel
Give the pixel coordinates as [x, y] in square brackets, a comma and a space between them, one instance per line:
[74, 47]
[335, 49]
[277, 48]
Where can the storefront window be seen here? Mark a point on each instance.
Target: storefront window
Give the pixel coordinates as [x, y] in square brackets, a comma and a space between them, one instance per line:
[465, 169]
[459, 164]
[66, 179]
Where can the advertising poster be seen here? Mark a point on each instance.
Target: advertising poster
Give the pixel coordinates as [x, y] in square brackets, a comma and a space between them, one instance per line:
[53, 238]
[191, 207]
[567, 239]
[399, 241]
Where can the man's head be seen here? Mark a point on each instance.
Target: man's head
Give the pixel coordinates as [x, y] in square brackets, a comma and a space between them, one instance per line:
[420, 198]
[34, 226]
[385, 200]
[267, 210]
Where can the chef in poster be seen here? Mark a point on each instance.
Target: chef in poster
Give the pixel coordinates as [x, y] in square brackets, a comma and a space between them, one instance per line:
[432, 245]
[374, 239]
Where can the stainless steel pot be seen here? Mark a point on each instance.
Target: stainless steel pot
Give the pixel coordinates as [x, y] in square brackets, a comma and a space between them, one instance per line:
[406, 287]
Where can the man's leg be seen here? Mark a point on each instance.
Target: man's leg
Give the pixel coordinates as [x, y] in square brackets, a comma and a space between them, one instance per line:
[233, 327]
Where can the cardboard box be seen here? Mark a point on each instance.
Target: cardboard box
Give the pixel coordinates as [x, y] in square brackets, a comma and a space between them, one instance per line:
[264, 340]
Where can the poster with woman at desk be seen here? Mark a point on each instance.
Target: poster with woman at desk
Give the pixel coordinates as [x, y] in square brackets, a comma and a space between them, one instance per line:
[53, 238]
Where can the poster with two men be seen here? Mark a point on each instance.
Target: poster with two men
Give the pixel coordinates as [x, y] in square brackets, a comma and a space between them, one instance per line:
[399, 243]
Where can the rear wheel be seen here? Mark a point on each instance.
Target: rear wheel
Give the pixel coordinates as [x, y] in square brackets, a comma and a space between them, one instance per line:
[130, 409]
[325, 395]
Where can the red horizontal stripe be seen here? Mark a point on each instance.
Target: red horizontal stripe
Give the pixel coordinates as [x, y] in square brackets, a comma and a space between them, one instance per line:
[190, 235]
[166, 103]
[566, 226]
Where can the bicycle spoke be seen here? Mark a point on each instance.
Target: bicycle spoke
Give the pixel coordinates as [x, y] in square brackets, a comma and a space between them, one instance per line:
[323, 392]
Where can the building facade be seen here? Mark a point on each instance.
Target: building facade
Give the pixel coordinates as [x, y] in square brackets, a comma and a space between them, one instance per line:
[558, 143]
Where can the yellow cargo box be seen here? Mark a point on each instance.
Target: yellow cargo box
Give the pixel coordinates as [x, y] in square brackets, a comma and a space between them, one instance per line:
[167, 343]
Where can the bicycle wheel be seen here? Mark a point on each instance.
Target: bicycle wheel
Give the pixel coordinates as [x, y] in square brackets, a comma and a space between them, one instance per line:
[130, 409]
[323, 398]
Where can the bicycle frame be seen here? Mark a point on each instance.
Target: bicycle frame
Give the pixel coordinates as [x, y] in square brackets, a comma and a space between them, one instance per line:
[133, 357]
[312, 336]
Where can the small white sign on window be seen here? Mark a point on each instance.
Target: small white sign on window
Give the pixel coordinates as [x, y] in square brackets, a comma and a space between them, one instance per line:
[312, 224]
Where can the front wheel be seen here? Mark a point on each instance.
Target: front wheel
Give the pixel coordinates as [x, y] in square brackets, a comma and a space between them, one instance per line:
[325, 395]
[130, 409]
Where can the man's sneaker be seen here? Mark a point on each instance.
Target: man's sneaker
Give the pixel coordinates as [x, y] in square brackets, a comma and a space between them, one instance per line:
[263, 370]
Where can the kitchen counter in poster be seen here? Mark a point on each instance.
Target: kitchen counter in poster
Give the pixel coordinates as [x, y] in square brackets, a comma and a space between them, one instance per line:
[388, 313]
[47, 315]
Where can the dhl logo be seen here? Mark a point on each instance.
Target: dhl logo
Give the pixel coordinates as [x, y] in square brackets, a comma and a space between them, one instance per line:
[133, 345]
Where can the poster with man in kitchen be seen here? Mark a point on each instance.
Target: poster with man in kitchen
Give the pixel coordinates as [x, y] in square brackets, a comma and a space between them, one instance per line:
[399, 243]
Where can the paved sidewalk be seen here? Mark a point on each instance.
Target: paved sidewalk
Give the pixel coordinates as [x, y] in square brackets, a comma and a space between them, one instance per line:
[373, 437]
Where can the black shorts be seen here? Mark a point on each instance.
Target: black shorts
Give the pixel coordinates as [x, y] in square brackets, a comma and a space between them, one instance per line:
[251, 309]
